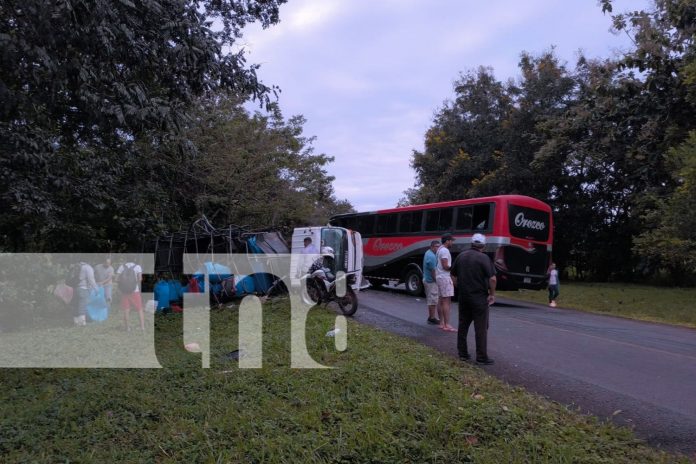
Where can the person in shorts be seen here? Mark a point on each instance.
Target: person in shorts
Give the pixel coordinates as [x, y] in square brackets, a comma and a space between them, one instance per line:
[443, 278]
[130, 292]
[430, 284]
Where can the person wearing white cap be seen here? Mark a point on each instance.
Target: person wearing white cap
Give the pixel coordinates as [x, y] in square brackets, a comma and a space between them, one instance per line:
[476, 281]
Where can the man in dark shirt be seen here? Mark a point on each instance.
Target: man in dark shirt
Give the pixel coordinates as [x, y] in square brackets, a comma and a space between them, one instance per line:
[476, 283]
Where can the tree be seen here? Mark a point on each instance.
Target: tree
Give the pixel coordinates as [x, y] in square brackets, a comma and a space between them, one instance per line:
[81, 82]
[256, 170]
[594, 142]
[669, 241]
[484, 142]
[465, 139]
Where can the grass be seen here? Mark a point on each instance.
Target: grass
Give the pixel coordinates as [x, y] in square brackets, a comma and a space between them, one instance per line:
[389, 399]
[658, 304]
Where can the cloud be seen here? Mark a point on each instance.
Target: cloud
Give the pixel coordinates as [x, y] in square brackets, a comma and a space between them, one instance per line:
[309, 15]
[369, 75]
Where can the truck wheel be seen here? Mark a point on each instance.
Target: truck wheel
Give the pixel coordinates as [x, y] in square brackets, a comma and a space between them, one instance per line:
[414, 282]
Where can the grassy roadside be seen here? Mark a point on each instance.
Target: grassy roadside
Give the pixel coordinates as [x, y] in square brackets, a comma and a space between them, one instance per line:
[657, 304]
[388, 400]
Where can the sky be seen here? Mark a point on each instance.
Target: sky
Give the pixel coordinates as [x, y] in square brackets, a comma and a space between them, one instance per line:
[369, 75]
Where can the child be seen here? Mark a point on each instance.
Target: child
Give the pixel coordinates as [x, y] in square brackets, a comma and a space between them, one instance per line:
[553, 285]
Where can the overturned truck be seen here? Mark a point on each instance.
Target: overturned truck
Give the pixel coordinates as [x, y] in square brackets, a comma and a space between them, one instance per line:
[183, 260]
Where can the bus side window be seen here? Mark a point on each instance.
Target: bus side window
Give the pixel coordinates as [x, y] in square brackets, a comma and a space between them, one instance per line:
[445, 222]
[439, 220]
[386, 224]
[480, 218]
[432, 218]
[416, 221]
[405, 220]
[410, 221]
[464, 218]
[365, 225]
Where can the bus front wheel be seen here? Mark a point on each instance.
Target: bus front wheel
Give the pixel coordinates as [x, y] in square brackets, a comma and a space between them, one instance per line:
[414, 282]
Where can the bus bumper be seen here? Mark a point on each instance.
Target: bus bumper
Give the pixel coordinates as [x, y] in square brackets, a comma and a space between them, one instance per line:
[512, 281]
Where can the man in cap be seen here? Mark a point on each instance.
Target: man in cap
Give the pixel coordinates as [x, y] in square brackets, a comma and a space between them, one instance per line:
[430, 283]
[476, 283]
[443, 278]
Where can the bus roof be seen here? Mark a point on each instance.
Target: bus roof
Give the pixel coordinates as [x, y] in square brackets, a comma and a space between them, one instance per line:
[521, 200]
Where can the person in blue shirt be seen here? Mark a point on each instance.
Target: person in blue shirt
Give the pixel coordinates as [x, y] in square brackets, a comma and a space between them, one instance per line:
[431, 293]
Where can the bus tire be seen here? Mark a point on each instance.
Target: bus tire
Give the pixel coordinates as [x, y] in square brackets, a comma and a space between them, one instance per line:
[414, 282]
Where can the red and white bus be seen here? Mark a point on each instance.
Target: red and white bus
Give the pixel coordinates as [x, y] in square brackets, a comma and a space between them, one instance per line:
[519, 232]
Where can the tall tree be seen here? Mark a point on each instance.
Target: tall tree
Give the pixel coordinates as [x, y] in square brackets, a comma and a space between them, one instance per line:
[81, 80]
[257, 170]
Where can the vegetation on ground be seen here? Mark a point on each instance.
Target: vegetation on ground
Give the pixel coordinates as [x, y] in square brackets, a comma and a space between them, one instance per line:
[388, 399]
[658, 304]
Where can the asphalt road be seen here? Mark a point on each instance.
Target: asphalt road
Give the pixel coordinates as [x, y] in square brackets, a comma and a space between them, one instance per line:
[636, 374]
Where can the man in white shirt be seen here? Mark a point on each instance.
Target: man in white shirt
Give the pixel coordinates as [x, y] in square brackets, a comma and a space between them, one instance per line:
[444, 281]
[309, 254]
[129, 277]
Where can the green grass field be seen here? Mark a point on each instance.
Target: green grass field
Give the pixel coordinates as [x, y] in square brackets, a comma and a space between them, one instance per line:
[388, 399]
[658, 304]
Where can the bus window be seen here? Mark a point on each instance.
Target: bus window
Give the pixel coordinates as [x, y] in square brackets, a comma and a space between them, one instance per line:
[438, 220]
[386, 224]
[410, 221]
[464, 218]
[481, 217]
[365, 224]
[417, 221]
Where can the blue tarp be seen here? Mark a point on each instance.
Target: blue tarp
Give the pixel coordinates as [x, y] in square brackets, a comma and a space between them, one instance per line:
[262, 280]
[216, 272]
[162, 295]
[97, 309]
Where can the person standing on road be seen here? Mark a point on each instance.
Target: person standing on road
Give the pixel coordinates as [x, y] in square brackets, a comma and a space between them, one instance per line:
[443, 278]
[476, 283]
[554, 285]
[430, 283]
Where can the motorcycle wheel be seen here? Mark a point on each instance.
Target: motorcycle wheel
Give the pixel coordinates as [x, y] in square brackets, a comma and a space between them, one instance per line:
[348, 303]
[312, 296]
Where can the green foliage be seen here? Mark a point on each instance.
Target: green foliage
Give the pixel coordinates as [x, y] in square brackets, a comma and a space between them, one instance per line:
[256, 170]
[81, 82]
[592, 142]
[670, 240]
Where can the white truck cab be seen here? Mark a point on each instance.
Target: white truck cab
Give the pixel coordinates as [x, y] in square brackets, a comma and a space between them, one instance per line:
[347, 246]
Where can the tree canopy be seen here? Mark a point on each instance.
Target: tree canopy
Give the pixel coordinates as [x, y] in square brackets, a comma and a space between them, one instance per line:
[100, 120]
[604, 143]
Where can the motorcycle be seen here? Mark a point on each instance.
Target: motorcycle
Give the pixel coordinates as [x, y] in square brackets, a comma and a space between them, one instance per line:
[320, 289]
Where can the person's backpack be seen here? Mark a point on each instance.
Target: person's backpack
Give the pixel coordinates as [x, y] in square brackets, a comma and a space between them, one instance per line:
[73, 277]
[128, 280]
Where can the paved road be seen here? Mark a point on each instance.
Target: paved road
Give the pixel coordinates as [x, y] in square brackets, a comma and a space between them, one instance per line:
[637, 374]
